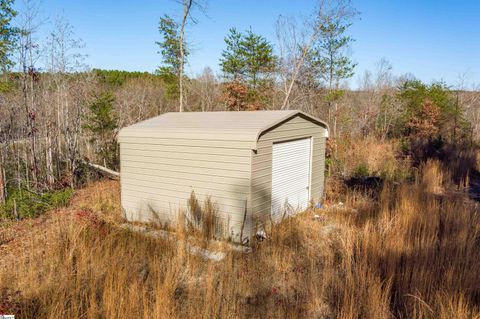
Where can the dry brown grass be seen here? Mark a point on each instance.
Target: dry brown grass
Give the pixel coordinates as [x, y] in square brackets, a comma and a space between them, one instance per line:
[417, 257]
[202, 220]
[377, 157]
[412, 254]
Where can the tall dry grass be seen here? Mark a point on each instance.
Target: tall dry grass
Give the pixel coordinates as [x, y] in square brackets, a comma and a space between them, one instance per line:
[418, 257]
[369, 156]
[412, 254]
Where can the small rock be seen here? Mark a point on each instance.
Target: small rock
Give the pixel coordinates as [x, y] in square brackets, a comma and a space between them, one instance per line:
[261, 235]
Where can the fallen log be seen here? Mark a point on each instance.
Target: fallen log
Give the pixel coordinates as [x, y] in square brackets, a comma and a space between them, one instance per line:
[111, 173]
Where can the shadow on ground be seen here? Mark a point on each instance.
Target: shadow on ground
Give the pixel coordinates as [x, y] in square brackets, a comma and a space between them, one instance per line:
[474, 186]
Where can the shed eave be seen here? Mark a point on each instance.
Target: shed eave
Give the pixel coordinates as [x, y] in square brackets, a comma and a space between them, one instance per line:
[289, 116]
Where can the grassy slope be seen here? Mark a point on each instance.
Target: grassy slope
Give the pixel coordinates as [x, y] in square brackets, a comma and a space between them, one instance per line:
[413, 253]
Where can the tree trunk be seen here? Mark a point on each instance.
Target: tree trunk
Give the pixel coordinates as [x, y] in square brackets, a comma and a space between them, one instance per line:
[335, 130]
[27, 165]
[335, 119]
[298, 65]
[28, 118]
[18, 166]
[104, 170]
[49, 160]
[3, 189]
[33, 116]
[299, 62]
[187, 4]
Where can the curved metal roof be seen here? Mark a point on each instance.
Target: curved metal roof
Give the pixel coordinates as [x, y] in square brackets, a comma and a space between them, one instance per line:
[238, 126]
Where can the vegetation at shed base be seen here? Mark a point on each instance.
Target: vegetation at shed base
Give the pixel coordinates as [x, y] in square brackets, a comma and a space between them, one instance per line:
[203, 220]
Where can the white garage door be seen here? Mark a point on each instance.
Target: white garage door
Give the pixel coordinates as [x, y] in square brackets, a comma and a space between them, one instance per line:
[290, 177]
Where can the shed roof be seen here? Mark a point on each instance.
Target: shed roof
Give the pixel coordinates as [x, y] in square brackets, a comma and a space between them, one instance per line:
[238, 126]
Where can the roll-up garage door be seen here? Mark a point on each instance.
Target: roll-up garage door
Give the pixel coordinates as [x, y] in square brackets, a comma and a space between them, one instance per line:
[290, 177]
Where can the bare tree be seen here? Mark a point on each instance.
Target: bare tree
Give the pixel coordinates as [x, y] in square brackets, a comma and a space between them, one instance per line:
[296, 41]
[468, 96]
[290, 57]
[187, 5]
[204, 92]
[139, 99]
[28, 54]
[63, 59]
[3, 186]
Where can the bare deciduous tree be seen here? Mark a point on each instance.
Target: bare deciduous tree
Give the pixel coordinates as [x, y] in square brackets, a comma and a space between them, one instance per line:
[63, 59]
[296, 41]
[205, 92]
[28, 54]
[187, 5]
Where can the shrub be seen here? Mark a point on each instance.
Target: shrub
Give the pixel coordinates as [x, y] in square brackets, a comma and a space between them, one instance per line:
[24, 203]
[361, 170]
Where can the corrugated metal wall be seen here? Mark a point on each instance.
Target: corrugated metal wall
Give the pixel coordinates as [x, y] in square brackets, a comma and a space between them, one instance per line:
[295, 128]
[158, 175]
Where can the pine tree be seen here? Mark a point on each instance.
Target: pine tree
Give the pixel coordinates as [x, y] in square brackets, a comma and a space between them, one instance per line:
[7, 40]
[329, 57]
[331, 64]
[247, 63]
[8, 33]
[171, 53]
[102, 124]
[248, 57]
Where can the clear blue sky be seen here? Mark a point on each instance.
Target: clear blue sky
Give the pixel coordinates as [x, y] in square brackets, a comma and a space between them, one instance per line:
[434, 40]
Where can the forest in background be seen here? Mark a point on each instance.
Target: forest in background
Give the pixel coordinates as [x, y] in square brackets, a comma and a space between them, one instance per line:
[57, 115]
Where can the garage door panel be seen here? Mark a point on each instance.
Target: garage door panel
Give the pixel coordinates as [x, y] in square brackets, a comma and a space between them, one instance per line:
[290, 176]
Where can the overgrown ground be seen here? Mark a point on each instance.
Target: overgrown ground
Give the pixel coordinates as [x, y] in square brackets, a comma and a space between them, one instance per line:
[407, 249]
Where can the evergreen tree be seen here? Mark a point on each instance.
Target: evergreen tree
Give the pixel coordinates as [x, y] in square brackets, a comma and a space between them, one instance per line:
[232, 61]
[248, 63]
[7, 40]
[330, 63]
[8, 33]
[415, 96]
[102, 124]
[328, 57]
[248, 57]
[171, 53]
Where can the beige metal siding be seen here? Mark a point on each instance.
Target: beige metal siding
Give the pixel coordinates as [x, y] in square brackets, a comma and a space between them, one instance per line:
[295, 128]
[158, 175]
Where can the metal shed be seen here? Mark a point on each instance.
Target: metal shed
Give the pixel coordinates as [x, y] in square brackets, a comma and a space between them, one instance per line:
[255, 166]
